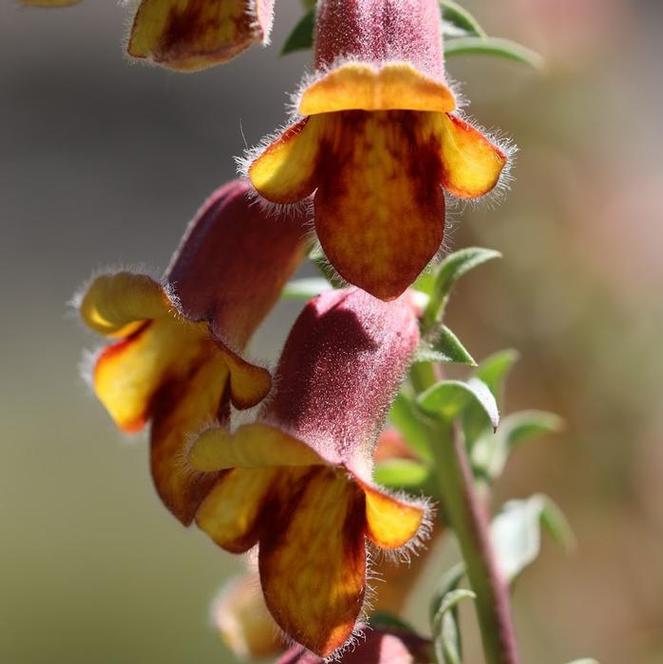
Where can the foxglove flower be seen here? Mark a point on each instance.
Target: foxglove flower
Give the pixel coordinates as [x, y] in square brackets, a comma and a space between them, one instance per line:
[382, 646]
[378, 143]
[190, 35]
[298, 480]
[242, 619]
[175, 357]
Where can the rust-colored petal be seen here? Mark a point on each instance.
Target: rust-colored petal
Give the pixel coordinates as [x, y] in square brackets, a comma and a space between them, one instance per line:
[249, 384]
[471, 164]
[379, 208]
[189, 35]
[181, 407]
[231, 512]
[285, 171]
[313, 561]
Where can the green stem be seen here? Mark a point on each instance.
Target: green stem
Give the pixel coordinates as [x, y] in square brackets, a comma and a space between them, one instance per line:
[469, 520]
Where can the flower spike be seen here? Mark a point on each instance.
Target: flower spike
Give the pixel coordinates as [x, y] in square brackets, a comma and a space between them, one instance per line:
[298, 481]
[189, 35]
[378, 143]
[175, 358]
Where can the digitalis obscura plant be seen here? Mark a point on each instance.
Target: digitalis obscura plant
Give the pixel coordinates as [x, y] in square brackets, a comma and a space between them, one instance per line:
[355, 450]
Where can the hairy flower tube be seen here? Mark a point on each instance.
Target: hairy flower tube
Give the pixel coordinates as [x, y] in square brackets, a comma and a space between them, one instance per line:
[381, 646]
[378, 143]
[298, 481]
[175, 358]
[189, 35]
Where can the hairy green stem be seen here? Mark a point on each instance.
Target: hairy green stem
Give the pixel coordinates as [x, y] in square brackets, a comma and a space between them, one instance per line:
[470, 523]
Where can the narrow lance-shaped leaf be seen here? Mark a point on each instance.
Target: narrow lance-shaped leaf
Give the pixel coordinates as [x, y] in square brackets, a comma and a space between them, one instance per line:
[444, 617]
[493, 372]
[516, 532]
[445, 347]
[449, 398]
[301, 37]
[494, 46]
[491, 451]
[452, 268]
[459, 18]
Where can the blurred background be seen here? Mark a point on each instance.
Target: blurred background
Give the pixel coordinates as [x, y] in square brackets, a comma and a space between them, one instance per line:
[103, 162]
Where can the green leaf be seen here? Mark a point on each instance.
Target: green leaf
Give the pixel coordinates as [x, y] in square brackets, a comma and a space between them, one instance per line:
[425, 282]
[305, 289]
[385, 620]
[490, 452]
[494, 369]
[459, 18]
[406, 418]
[452, 268]
[494, 46]
[449, 398]
[301, 37]
[516, 532]
[449, 581]
[446, 633]
[405, 474]
[446, 347]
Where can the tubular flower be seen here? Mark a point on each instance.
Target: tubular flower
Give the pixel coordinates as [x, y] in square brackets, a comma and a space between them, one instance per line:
[189, 35]
[174, 358]
[382, 646]
[378, 143]
[242, 619]
[298, 480]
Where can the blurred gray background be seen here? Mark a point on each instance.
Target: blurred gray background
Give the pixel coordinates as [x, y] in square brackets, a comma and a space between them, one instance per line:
[102, 162]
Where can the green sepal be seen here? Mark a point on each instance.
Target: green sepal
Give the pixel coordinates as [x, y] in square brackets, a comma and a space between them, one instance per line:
[516, 532]
[494, 46]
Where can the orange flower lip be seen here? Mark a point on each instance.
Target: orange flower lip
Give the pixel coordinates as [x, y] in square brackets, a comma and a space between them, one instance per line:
[298, 480]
